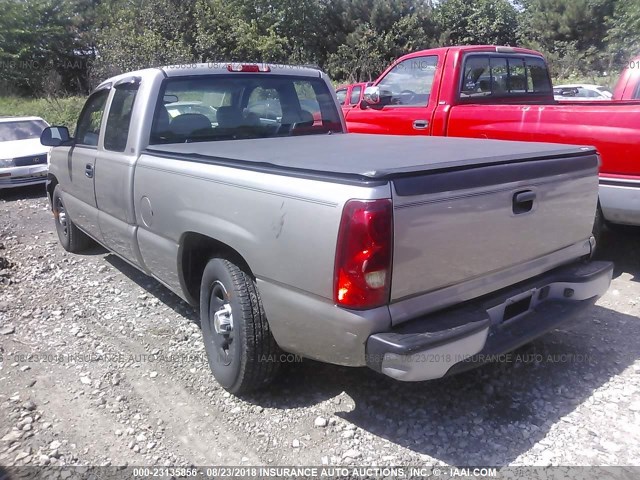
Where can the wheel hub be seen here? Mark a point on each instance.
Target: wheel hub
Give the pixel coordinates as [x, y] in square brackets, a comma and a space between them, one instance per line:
[61, 216]
[223, 320]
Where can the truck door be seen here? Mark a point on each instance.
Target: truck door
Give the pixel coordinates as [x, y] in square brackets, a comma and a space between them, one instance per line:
[114, 174]
[79, 187]
[407, 103]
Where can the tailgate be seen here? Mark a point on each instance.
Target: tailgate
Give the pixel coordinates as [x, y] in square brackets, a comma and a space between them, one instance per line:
[455, 225]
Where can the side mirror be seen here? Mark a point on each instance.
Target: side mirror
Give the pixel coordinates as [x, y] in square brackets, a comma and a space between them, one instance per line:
[55, 136]
[371, 95]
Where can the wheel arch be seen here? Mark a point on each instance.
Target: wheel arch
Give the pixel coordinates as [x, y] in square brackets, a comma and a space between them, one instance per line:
[194, 252]
[52, 182]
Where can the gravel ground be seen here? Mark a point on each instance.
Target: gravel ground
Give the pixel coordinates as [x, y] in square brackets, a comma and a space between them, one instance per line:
[100, 365]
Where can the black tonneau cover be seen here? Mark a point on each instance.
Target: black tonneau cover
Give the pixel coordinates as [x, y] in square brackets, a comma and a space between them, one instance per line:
[369, 157]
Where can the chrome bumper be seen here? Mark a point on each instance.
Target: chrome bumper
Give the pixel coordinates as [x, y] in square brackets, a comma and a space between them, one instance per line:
[620, 200]
[460, 338]
[23, 176]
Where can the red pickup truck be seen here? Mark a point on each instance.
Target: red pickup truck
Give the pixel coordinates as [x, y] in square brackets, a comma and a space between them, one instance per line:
[505, 93]
[628, 86]
[350, 96]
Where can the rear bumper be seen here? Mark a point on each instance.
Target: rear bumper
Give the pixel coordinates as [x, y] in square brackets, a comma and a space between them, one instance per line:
[463, 337]
[620, 200]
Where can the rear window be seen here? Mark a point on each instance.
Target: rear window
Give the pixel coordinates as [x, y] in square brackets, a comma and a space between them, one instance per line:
[496, 76]
[21, 130]
[241, 106]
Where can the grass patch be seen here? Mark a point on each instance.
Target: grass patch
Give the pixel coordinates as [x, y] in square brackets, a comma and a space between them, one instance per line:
[56, 111]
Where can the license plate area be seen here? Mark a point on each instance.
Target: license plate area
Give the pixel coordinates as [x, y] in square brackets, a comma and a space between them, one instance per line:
[513, 308]
[516, 308]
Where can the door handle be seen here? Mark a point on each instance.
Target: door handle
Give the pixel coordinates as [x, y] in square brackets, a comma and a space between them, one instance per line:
[420, 124]
[88, 170]
[523, 201]
[526, 196]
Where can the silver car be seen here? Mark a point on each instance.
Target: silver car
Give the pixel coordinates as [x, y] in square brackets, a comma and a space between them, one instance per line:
[23, 159]
[582, 92]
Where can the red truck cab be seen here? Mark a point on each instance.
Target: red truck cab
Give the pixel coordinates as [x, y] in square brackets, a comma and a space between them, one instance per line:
[504, 93]
[628, 86]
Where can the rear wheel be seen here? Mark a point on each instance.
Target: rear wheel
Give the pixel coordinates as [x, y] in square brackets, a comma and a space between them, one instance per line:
[242, 353]
[71, 237]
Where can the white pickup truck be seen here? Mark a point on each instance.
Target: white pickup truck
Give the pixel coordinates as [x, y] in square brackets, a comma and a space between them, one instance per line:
[237, 187]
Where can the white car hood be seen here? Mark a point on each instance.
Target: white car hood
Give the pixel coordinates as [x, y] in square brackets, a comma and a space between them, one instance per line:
[22, 148]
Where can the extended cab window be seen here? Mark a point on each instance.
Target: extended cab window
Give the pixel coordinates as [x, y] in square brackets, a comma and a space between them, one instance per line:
[242, 106]
[409, 82]
[119, 119]
[342, 96]
[88, 128]
[355, 95]
[496, 76]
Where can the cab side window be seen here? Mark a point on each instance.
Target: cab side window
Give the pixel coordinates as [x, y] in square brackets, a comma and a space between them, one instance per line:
[355, 95]
[119, 120]
[409, 82]
[342, 95]
[88, 128]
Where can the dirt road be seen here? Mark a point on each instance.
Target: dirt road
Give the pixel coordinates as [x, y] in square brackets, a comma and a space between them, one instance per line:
[101, 365]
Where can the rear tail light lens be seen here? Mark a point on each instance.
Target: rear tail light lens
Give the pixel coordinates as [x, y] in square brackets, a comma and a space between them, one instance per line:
[362, 277]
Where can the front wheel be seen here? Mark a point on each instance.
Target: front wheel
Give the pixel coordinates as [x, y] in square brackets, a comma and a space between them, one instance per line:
[242, 353]
[71, 237]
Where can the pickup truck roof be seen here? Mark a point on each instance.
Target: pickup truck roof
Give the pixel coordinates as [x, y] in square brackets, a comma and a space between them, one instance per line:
[369, 155]
[469, 48]
[207, 69]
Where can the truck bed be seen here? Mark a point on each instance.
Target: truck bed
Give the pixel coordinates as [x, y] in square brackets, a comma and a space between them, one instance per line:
[610, 127]
[365, 157]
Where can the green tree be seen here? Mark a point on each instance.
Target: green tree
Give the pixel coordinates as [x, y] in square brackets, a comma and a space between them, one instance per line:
[134, 34]
[369, 34]
[623, 35]
[571, 33]
[43, 43]
[482, 22]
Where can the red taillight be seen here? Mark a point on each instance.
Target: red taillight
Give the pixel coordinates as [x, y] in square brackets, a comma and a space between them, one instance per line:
[244, 67]
[362, 276]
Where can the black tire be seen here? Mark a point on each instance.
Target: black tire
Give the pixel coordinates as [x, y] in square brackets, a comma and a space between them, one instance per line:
[71, 237]
[244, 357]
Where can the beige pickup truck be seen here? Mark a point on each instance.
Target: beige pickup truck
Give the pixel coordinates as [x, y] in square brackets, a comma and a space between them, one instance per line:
[237, 187]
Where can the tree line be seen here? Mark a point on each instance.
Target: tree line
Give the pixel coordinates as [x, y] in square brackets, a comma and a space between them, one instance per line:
[58, 47]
